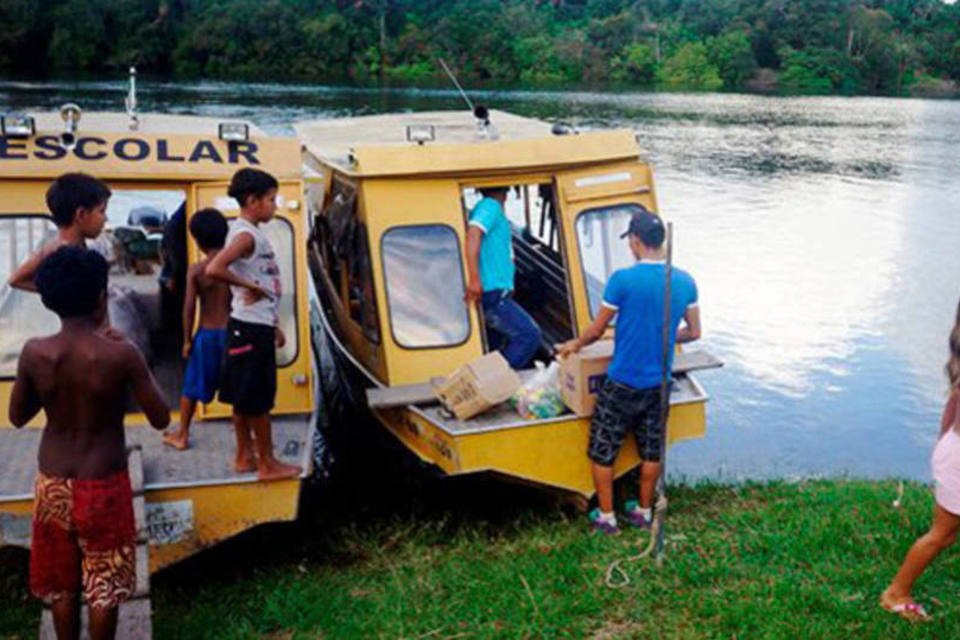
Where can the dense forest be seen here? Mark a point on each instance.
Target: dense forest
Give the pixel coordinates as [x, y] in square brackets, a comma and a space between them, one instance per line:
[894, 47]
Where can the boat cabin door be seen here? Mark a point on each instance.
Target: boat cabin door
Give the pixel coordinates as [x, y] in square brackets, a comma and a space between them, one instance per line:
[596, 205]
[287, 234]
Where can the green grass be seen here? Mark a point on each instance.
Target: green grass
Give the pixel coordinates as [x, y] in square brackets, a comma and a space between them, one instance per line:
[778, 560]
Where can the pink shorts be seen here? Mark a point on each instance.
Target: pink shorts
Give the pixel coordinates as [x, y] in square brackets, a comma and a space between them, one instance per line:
[946, 472]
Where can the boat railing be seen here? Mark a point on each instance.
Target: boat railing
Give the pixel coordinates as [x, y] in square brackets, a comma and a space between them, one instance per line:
[19, 237]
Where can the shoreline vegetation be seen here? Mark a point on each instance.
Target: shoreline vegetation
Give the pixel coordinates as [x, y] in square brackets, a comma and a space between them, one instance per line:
[772, 560]
[846, 47]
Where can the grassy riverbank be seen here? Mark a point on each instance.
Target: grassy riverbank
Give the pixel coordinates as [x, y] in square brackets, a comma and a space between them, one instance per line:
[759, 561]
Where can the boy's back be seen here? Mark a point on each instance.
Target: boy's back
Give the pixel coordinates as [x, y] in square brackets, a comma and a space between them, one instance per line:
[213, 296]
[81, 379]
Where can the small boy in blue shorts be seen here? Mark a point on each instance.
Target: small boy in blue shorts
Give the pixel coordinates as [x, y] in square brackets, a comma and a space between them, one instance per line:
[205, 350]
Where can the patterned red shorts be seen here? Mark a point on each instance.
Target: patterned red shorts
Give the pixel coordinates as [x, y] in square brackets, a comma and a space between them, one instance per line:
[84, 538]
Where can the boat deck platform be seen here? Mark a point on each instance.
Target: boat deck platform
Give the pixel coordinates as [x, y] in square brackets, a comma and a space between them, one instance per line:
[685, 390]
[209, 460]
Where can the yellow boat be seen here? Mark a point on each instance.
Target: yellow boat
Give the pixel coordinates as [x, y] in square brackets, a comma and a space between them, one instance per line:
[156, 165]
[389, 196]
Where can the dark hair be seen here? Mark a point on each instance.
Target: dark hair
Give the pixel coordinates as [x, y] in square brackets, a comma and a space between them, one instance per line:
[489, 192]
[209, 228]
[73, 191]
[71, 281]
[953, 364]
[250, 182]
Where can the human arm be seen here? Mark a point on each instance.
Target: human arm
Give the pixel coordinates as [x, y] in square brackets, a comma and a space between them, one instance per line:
[474, 285]
[24, 400]
[593, 333]
[189, 308]
[23, 277]
[949, 416]
[219, 268]
[690, 330]
[145, 390]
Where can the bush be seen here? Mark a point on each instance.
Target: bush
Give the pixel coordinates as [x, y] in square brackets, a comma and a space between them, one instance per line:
[689, 68]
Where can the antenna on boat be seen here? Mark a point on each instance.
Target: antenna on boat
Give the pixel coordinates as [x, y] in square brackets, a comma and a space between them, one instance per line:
[131, 101]
[453, 78]
[485, 130]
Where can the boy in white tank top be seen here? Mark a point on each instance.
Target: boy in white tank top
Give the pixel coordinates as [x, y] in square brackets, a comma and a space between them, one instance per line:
[247, 263]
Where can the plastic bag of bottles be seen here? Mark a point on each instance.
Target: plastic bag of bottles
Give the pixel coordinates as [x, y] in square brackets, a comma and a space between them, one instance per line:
[539, 397]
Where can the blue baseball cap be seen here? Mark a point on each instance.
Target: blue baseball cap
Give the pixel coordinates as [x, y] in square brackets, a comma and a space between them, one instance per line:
[647, 227]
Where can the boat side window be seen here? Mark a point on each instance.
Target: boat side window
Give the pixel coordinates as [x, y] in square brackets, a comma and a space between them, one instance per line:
[145, 243]
[346, 252]
[424, 279]
[22, 315]
[280, 233]
[602, 251]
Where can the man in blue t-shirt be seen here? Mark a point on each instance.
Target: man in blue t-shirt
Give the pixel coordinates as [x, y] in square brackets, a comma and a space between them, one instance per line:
[630, 397]
[490, 273]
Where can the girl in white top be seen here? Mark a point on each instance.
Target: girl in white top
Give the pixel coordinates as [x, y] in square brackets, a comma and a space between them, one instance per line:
[248, 265]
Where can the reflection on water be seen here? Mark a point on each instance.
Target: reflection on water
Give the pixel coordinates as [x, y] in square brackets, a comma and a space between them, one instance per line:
[822, 232]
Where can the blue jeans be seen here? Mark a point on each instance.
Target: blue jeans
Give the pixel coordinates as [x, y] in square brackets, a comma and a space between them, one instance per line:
[514, 325]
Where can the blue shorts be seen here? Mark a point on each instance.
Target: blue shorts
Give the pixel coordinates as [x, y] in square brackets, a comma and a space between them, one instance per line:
[202, 377]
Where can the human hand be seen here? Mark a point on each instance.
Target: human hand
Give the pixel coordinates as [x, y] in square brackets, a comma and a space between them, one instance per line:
[474, 290]
[187, 345]
[112, 334]
[254, 293]
[567, 348]
[280, 338]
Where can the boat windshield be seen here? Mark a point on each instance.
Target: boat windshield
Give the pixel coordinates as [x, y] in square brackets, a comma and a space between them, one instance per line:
[602, 251]
[22, 315]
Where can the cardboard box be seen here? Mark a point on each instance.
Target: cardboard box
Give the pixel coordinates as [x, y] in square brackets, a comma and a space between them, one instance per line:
[582, 375]
[477, 386]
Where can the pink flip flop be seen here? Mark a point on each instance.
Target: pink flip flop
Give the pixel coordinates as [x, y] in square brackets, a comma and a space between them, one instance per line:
[909, 611]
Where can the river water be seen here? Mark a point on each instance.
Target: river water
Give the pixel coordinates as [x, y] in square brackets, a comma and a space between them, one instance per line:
[824, 234]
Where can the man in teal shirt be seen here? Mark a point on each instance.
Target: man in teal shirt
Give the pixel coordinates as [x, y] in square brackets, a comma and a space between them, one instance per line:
[490, 272]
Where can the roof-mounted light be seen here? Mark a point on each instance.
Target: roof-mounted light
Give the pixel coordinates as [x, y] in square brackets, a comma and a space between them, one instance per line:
[234, 131]
[17, 125]
[70, 113]
[421, 133]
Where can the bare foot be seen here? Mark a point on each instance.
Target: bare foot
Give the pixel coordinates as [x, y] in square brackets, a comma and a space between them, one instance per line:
[275, 470]
[246, 465]
[177, 440]
[903, 606]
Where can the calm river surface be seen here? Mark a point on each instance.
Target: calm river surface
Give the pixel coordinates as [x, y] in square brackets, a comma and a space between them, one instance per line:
[824, 234]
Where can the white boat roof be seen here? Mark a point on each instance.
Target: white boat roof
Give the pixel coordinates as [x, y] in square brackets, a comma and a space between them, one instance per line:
[334, 139]
[149, 123]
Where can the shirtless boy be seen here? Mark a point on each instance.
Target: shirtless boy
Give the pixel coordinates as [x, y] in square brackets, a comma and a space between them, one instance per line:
[204, 350]
[83, 528]
[247, 263]
[78, 204]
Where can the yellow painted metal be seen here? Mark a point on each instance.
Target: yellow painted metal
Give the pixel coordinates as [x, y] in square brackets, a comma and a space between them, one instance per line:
[499, 157]
[294, 381]
[409, 185]
[598, 186]
[396, 203]
[551, 453]
[169, 157]
[222, 511]
[219, 511]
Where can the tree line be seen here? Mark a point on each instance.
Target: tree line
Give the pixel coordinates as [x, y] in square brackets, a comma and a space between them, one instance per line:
[885, 47]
